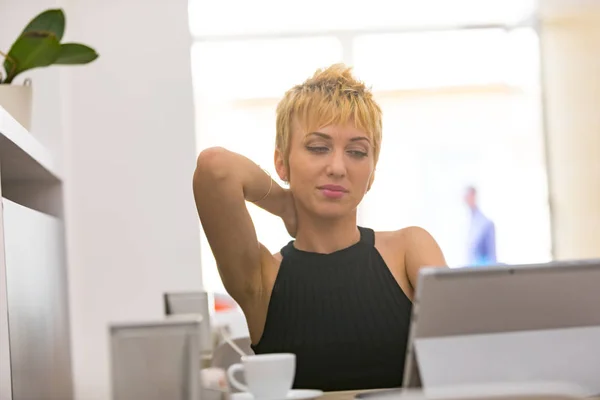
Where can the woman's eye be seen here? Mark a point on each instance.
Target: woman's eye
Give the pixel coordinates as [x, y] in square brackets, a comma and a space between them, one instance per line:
[357, 153]
[317, 149]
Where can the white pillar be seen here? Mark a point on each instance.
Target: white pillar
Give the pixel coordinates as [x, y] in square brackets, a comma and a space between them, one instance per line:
[571, 64]
[130, 152]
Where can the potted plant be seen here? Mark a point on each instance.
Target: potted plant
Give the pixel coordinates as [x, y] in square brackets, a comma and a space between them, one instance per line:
[39, 45]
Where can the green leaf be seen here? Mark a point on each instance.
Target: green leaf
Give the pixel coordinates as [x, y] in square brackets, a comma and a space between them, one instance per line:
[50, 21]
[31, 51]
[75, 53]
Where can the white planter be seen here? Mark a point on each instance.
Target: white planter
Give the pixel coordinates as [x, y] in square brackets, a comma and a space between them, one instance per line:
[17, 100]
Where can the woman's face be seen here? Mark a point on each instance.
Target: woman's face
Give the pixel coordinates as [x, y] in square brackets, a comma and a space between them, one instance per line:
[330, 169]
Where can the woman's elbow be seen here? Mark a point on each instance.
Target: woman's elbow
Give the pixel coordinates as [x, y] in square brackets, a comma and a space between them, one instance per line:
[212, 162]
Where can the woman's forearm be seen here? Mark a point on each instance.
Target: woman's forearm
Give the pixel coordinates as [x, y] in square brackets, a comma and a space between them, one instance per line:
[237, 172]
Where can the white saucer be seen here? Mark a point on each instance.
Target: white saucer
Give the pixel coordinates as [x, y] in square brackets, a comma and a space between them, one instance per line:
[295, 394]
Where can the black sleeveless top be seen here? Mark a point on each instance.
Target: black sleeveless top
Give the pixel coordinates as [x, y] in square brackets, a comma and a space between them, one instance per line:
[344, 316]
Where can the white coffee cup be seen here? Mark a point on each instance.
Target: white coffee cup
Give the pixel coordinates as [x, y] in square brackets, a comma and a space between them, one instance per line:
[268, 376]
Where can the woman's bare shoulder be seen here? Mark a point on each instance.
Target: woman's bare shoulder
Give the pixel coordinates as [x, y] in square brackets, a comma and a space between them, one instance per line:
[405, 235]
[411, 248]
[417, 246]
[401, 236]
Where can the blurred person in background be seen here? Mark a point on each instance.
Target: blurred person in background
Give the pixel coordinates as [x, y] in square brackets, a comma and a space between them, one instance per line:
[481, 241]
[339, 295]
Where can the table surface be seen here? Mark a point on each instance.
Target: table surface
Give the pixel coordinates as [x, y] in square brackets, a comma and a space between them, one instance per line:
[349, 395]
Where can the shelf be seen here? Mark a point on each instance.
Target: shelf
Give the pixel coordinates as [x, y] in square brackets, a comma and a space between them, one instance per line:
[22, 157]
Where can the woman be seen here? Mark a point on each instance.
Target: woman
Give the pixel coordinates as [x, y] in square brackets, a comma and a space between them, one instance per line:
[339, 296]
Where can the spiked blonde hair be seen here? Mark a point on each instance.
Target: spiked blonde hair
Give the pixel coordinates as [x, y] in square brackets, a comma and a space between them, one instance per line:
[331, 96]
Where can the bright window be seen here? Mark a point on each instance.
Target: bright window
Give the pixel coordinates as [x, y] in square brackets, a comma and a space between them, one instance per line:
[453, 58]
[251, 69]
[460, 108]
[432, 59]
[438, 142]
[241, 17]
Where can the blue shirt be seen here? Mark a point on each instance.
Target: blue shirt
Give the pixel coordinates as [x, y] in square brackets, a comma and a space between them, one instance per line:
[481, 240]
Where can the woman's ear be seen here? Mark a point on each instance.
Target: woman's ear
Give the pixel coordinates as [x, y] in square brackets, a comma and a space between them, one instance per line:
[280, 166]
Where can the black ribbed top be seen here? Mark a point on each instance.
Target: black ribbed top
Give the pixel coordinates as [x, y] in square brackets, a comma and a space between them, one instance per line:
[344, 316]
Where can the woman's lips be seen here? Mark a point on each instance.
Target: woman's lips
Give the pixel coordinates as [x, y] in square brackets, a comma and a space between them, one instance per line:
[333, 191]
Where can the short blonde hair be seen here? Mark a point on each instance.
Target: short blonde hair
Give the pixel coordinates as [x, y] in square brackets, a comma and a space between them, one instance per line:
[331, 96]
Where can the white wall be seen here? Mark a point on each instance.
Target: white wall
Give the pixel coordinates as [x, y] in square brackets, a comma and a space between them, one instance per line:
[570, 42]
[130, 152]
[123, 129]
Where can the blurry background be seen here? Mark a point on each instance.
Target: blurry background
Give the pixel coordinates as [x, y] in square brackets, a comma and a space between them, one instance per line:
[460, 87]
[500, 94]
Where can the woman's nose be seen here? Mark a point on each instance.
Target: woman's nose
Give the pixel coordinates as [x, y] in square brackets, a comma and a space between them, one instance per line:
[336, 166]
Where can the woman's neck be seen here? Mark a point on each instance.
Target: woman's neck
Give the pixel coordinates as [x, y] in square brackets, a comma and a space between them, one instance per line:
[326, 236]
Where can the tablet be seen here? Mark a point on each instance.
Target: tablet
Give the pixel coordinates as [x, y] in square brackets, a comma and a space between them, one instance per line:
[485, 303]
